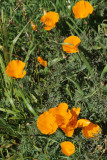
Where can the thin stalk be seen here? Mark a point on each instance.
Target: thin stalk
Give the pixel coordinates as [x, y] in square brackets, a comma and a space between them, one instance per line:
[4, 38]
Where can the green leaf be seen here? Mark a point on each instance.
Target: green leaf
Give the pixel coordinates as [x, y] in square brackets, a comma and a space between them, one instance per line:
[33, 98]
[25, 101]
[28, 55]
[7, 110]
[7, 93]
[104, 71]
[16, 39]
[76, 26]
[13, 117]
[3, 69]
[73, 28]
[13, 157]
[77, 86]
[87, 64]
[4, 125]
[68, 91]
[54, 61]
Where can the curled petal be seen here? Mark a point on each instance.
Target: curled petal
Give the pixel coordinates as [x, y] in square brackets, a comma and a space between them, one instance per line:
[49, 27]
[92, 130]
[42, 62]
[75, 112]
[83, 123]
[68, 131]
[61, 114]
[69, 128]
[44, 11]
[34, 26]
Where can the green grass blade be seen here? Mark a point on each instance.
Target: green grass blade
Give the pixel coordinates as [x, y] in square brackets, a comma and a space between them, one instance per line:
[29, 53]
[14, 157]
[3, 69]
[54, 61]
[76, 85]
[72, 28]
[68, 91]
[16, 39]
[4, 125]
[4, 36]
[104, 71]
[7, 93]
[7, 111]
[76, 26]
[86, 64]
[26, 103]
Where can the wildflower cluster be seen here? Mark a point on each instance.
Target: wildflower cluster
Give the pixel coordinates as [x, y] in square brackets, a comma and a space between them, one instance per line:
[60, 116]
[66, 120]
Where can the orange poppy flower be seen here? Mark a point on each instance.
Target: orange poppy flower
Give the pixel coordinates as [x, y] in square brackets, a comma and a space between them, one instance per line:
[89, 129]
[66, 119]
[72, 124]
[50, 19]
[61, 114]
[42, 62]
[82, 9]
[34, 26]
[92, 130]
[67, 148]
[46, 123]
[72, 46]
[15, 69]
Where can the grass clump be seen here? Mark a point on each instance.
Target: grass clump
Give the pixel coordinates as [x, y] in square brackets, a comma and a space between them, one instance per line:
[78, 79]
